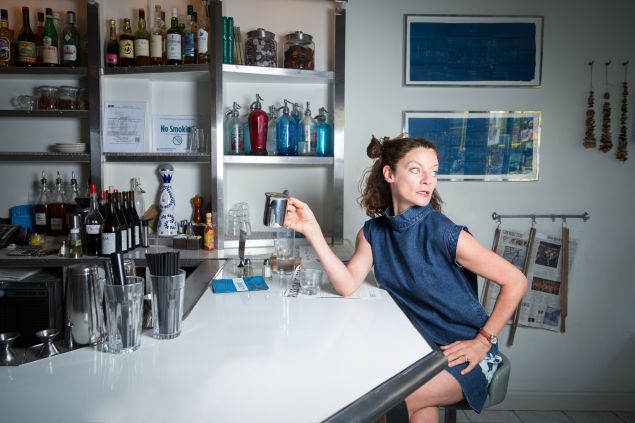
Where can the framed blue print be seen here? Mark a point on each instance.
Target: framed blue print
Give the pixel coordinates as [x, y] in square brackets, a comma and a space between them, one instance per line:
[480, 146]
[474, 50]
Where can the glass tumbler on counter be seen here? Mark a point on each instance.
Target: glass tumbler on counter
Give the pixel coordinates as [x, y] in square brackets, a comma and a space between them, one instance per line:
[284, 247]
[124, 312]
[167, 305]
[67, 98]
[47, 97]
[310, 281]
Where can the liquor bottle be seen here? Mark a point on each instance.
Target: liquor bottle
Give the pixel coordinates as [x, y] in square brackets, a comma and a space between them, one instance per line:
[208, 233]
[138, 196]
[50, 42]
[26, 41]
[7, 45]
[71, 202]
[39, 35]
[112, 48]
[258, 122]
[134, 219]
[306, 142]
[94, 223]
[156, 38]
[285, 132]
[174, 37]
[57, 209]
[103, 203]
[41, 207]
[111, 232]
[189, 38]
[123, 222]
[234, 131]
[203, 35]
[142, 41]
[323, 144]
[71, 38]
[271, 131]
[126, 45]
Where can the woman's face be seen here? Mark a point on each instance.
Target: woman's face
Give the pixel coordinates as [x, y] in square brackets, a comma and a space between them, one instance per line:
[413, 180]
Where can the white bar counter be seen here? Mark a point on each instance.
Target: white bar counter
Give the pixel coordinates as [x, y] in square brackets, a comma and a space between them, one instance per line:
[250, 356]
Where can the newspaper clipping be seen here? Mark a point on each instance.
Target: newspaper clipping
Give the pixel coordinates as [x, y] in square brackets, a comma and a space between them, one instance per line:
[540, 306]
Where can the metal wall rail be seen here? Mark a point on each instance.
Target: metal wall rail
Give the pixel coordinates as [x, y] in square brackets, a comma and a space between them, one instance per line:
[585, 216]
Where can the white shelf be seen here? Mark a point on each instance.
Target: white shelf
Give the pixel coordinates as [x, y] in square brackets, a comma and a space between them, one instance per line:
[279, 160]
[243, 74]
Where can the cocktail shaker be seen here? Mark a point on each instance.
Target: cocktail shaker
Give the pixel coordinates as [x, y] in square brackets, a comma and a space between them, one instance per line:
[275, 209]
[84, 298]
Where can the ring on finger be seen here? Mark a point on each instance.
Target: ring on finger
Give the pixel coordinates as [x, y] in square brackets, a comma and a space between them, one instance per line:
[465, 360]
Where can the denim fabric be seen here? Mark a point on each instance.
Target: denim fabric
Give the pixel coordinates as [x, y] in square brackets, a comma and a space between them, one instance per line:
[414, 259]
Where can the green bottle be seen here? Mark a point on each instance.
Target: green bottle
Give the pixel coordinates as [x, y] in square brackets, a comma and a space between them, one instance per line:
[50, 42]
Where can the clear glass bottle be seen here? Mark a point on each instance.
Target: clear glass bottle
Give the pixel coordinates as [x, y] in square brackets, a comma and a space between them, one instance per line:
[126, 45]
[189, 38]
[75, 249]
[271, 131]
[208, 233]
[203, 35]
[70, 35]
[138, 196]
[157, 38]
[142, 41]
[174, 41]
[7, 55]
[299, 51]
[234, 131]
[71, 197]
[50, 42]
[57, 209]
[323, 140]
[266, 270]
[93, 224]
[306, 142]
[41, 208]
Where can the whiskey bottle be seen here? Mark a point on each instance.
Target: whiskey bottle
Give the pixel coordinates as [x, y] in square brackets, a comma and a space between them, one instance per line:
[112, 48]
[126, 45]
[7, 45]
[174, 39]
[70, 35]
[50, 42]
[157, 38]
[57, 209]
[41, 208]
[26, 41]
[94, 224]
[142, 41]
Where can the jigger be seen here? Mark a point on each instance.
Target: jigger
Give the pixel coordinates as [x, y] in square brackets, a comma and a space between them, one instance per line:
[7, 357]
[48, 348]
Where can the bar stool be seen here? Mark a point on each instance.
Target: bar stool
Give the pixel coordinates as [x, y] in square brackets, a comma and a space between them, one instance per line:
[497, 391]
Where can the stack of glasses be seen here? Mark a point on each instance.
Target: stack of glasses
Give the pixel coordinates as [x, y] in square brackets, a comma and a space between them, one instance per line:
[168, 281]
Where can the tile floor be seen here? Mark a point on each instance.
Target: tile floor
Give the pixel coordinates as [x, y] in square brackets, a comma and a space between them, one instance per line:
[518, 416]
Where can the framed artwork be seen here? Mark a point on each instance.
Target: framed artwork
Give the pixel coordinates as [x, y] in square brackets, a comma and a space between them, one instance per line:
[480, 146]
[474, 50]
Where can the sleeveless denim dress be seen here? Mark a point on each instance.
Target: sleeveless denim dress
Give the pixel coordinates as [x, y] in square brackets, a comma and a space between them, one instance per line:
[414, 258]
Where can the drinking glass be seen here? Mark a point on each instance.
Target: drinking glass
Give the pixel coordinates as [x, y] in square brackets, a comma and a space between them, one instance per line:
[310, 281]
[124, 311]
[167, 305]
[284, 246]
[25, 102]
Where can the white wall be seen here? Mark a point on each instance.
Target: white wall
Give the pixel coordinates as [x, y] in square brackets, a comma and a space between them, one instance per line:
[590, 366]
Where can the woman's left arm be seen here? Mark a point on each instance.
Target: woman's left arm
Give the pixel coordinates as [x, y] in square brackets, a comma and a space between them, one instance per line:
[487, 264]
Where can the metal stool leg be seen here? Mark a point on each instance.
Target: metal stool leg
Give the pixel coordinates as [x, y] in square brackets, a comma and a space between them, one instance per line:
[449, 415]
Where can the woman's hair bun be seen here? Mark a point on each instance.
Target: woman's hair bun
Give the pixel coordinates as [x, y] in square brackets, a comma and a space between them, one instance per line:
[374, 149]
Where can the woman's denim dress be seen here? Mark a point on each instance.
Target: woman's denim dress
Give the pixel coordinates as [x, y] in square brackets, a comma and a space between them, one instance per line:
[414, 258]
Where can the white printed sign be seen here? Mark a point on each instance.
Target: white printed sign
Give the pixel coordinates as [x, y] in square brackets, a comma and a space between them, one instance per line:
[171, 132]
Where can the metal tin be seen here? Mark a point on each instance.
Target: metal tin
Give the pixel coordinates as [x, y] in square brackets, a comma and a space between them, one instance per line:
[275, 209]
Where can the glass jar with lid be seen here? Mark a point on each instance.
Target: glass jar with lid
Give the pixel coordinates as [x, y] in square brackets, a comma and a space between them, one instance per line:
[261, 48]
[299, 51]
[46, 97]
[67, 98]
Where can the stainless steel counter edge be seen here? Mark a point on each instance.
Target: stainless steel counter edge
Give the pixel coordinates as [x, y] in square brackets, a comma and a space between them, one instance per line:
[380, 400]
[198, 282]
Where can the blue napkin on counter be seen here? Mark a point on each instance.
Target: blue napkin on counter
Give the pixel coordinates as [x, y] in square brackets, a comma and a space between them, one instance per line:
[249, 283]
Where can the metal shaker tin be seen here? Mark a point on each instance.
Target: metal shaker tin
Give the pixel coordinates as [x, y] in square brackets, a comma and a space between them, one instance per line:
[275, 209]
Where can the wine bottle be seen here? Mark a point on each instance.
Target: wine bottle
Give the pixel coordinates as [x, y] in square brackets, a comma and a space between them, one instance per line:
[26, 41]
[142, 41]
[50, 42]
[112, 48]
[134, 217]
[124, 226]
[174, 37]
[126, 45]
[111, 232]
[94, 223]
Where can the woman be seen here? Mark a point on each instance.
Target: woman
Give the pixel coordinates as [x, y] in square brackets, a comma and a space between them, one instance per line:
[428, 265]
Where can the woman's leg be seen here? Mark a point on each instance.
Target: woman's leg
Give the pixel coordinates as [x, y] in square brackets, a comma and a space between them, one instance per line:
[423, 404]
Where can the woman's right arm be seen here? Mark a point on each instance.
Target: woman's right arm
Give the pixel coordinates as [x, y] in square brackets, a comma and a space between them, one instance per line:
[345, 278]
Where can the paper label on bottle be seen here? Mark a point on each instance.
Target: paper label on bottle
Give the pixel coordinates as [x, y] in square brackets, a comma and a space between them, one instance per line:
[174, 46]
[108, 243]
[142, 47]
[70, 52]
[129, 238]
[49, 51]
[202, 41]
[137, 233]
[188, 44]
[126, 49]
[93, 229]
[40, 219]
[5, 49]
[26, 51]
[56, 224]
[112, 59]
[156, 45]
[124, 240]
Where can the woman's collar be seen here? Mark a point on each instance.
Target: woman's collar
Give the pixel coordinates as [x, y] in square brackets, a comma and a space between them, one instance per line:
[408, 217]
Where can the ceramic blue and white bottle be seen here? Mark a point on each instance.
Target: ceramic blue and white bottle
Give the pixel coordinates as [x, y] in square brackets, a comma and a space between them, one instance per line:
[167, 221]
